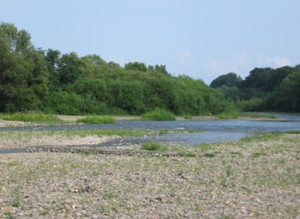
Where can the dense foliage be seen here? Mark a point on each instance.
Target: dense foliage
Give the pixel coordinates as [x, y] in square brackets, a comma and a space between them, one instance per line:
[46, 80]
[264, 89]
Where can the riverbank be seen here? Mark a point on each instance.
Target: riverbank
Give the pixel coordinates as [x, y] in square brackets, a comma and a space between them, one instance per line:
[65, 138]
[71, 120]
[252, 178]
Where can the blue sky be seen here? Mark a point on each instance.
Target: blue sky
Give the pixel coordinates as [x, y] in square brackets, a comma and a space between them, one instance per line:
[200, 38]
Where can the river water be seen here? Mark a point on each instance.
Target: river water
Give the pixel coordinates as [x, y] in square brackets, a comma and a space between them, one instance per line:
[202, 131]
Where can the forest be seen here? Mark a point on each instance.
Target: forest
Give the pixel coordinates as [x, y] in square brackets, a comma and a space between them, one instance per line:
[34, 79]
[264, 89]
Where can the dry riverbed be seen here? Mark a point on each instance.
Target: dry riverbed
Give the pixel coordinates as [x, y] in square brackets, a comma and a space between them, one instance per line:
[256, 178]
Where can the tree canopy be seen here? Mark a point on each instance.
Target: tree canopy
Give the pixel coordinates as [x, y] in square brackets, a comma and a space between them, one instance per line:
[49, 81]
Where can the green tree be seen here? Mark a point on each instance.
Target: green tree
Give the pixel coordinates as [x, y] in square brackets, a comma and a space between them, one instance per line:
[70, 68]
[288, 95]
[23, 72]
[231, 79]
[137, 66]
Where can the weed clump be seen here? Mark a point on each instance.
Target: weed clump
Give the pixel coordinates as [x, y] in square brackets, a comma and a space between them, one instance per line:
[31, 117]
[152, 146]
[259, 154]
[97, 120]
[188, 117]
[209, 155]
[159, 115]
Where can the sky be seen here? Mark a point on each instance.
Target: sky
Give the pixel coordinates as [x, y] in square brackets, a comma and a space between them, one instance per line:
[199, 38]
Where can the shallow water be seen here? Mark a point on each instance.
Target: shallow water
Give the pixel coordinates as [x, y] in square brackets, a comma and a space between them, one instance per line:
[183, 139]
[208, 131]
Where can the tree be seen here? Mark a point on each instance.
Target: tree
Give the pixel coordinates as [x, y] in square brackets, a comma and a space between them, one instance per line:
[52, 58]
[23, 72]
[231, 79]
[137, 66]
[288, 95]
[70, 68]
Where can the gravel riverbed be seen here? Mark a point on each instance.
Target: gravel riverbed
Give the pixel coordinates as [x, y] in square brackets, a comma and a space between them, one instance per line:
[258, 178]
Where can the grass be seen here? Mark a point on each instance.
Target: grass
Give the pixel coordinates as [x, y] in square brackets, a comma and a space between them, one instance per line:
[258, 154]
[159, 115]
[258, 115]
[188, 117]
[209, 155]
[260, 136]
[152, 146]
[97, 120]
[236, 115]
[31, 117]
[21, 135]
[228, 116]
[187, 154]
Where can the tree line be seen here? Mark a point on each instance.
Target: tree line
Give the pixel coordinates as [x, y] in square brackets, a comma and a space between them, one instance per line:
[48, 81]
[264, 89]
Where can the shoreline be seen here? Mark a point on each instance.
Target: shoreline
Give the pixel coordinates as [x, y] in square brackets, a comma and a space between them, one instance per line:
[70, 120]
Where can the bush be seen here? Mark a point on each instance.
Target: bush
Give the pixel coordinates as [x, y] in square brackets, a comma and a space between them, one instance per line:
[228, 116]
[65, 103]
[188, 117]
[159, 115]
[253, 104]
[31, 117]
[152, 146]
[97, 120]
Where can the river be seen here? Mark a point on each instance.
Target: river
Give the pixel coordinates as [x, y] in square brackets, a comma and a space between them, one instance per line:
[201, 131]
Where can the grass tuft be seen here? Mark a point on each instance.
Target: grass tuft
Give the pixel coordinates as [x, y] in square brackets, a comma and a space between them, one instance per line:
[152, 146]
[259, 154]
[188, 117]
[228, 116]
[31, 117]
[159, 115]
[97, 120]
[209, 155]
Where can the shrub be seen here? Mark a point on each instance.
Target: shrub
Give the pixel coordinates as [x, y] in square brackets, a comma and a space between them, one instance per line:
[228, 116]
[152, 146]
[188, 117]
[253, 104]
[159, 115]
[209, 155]
[97, 120]
[31, 117]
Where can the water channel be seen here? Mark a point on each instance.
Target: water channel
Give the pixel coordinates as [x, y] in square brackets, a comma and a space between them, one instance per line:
[201, 131]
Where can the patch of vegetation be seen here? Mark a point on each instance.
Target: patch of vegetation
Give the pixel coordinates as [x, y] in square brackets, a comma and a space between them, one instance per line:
[153, 146]
[108, 195]
[8, 215]
[14, 164]
[205, 146]
[235, 115]
[259, 154]
[258, 115]
[209, 155]
[293, 211]
[292, 132]
[187, 154]
[159, 115]
[17, 135]
[262, 137]
[226, 217]
[228, 116]
[188, 117]
[68, 84]
[97, 120]
[31, 117]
